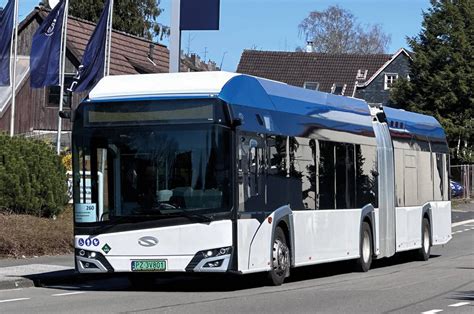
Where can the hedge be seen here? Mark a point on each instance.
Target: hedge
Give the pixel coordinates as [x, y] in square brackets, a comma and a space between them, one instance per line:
[32, 177]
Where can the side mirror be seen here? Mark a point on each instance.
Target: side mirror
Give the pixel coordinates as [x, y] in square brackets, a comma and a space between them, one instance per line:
[237, 122]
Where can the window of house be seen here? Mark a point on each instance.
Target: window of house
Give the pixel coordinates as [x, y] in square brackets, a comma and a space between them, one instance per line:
[338, 89]
[361, 74]
[311, 85]
[53, 93]
[389, 80]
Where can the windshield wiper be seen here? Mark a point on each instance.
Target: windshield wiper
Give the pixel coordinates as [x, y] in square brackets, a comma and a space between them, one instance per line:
[190, 215]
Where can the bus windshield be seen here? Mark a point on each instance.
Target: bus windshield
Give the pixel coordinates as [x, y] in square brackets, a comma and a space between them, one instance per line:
[151, 172]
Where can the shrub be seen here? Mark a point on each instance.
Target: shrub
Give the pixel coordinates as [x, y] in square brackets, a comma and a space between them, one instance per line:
[32, 177]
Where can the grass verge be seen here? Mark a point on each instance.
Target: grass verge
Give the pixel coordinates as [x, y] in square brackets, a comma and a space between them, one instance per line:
[25, 235]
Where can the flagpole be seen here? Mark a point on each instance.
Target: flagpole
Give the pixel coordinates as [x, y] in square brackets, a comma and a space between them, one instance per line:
[13, 72]
[109, 39]
[62, 66]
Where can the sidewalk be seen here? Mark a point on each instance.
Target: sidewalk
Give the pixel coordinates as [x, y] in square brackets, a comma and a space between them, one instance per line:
[29, 272]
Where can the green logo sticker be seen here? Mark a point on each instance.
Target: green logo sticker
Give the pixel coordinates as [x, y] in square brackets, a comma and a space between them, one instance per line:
[106, 248]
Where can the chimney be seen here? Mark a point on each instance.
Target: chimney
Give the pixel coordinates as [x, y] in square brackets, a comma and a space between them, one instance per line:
[309, 46]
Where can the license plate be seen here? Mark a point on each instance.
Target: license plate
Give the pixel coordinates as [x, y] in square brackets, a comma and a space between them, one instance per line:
[149, 265]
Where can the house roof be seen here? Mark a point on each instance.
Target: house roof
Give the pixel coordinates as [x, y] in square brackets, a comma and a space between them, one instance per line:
[130, 54]
[296, 68]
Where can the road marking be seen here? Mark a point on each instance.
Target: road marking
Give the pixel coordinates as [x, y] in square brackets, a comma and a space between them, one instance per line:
[465, 222]
[13, 300]
[459, 304]
[67, 293]
[15, 289]
[467, 229]
[432, 311]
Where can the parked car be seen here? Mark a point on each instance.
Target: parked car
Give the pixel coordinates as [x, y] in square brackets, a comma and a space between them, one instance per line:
[456, 188]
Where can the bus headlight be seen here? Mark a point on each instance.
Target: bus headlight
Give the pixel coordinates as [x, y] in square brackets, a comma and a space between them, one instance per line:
[210, 259]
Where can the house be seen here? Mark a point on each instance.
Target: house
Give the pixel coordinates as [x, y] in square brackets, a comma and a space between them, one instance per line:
[36, 110]
[369, 76]
[193, 63]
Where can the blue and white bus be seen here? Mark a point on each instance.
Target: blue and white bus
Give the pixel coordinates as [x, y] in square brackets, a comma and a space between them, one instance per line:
[228, 173]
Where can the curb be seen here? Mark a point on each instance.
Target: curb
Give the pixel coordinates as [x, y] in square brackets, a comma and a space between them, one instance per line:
[16, 283]
[45, 279]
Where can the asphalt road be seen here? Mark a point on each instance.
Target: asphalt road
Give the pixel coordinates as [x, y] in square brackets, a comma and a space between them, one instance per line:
[445, 283]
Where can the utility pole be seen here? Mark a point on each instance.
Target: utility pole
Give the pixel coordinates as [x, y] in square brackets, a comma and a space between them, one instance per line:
[175, 36]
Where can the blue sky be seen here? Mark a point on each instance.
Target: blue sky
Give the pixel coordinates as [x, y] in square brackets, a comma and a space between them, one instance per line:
[273, 24]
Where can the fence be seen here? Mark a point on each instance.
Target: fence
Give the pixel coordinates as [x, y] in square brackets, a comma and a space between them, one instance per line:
[462, 181]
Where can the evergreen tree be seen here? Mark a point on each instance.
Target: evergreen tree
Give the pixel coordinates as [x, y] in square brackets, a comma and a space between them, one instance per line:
[136, 17]
[442, 78]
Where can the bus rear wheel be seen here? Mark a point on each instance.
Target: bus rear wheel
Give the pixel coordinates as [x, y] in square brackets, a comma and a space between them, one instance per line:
[280, 259]
[365, 248]
[423, 253]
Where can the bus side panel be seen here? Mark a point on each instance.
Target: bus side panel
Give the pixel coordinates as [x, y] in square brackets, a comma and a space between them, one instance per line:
[441, 222]
[408, 224]
[326, 235]
[260, 247]
[246, 230]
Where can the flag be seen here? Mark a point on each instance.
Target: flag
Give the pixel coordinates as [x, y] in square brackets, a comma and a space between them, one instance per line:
[46, 49]
[92, 65]
[6, 31]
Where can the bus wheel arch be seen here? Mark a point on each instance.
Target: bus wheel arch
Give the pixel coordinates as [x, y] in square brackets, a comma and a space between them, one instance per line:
[282, 236]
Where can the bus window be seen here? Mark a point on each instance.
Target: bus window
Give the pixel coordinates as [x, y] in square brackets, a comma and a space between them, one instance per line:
[276, 172]
[302, 174]
[425, 178]
[366, 176]
[411, 185]
[251, 174]
[438, 173]
[345, 176]
[327, 172]
[446, 189]
[399, 177]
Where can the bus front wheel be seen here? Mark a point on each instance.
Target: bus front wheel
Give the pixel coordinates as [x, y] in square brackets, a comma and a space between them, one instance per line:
[365, 248]
[280, 259]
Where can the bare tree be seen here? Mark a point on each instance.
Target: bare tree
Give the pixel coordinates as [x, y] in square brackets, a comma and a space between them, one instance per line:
[336, 30]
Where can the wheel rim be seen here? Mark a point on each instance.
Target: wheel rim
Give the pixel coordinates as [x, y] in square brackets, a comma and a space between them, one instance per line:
[426, 240]
[366, 247]
[281, 257]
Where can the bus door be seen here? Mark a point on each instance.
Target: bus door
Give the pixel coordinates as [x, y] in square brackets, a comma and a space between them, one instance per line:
[251, 176]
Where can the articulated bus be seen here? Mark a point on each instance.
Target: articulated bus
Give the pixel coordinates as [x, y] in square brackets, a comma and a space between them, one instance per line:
[220, 172]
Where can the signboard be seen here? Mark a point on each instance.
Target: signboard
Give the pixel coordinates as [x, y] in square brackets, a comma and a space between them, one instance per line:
[199, 15]
[85, 212]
